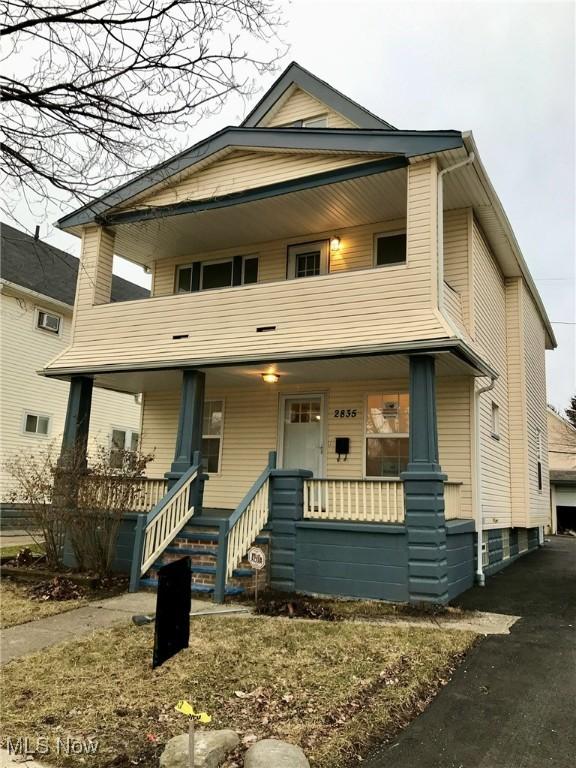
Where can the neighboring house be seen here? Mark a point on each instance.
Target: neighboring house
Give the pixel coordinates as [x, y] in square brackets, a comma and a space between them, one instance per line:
[37, 288]
[347, 295]
[562, 462]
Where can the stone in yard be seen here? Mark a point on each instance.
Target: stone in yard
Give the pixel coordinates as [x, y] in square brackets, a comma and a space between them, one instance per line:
[210, 749]
[272, 752]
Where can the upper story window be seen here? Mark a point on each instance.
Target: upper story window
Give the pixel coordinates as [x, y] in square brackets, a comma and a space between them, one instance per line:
[319, 121]
[224, 273]
[36, 424]
[389, 248]
[47, 321]
[308, 259]
[495, 421]
[387, 418]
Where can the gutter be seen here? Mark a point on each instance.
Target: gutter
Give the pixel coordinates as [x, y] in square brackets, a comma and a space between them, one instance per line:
[440, 235]
[480, 578]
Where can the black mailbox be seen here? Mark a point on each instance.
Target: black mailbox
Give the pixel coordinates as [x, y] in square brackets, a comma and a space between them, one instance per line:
[342, 447]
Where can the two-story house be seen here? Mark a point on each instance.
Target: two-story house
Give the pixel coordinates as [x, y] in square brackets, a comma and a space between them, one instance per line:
[37, 287]
[349, 298]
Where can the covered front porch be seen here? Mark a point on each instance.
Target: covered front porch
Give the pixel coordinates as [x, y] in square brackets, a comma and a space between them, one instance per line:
[377, 448]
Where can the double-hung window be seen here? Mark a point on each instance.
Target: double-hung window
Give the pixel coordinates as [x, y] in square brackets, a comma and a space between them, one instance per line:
[224, 273]
[319, 121]
[212, 427]
[36, 424]
[308, 259]
[122, 440]
[389, 249]
[387, 416]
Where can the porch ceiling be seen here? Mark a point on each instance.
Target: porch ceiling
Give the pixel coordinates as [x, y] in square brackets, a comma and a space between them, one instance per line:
[347, 203]
[294, 374]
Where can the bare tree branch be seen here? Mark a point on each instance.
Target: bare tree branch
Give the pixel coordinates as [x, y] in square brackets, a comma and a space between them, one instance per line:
[94, 91]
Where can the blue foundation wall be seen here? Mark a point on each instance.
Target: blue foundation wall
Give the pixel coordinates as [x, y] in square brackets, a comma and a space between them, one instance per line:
[124, 546]
[521, 541]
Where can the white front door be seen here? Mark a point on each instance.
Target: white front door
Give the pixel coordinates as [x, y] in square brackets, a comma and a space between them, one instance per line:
[302, 433]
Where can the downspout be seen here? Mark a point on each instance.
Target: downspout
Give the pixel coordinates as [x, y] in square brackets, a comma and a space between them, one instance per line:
[440, 232]
[480, 578]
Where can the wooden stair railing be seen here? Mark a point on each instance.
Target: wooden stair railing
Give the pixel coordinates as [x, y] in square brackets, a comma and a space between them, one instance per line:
[157, 529]
[237, 534]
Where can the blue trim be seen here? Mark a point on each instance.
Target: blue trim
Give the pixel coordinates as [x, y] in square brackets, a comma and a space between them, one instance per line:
[257, 193]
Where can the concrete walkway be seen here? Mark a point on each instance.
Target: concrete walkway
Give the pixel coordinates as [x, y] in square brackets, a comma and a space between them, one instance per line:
[24, 639]
[512, 703]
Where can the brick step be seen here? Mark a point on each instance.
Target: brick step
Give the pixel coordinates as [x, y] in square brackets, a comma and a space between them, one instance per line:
[205, 589]
[191, 551]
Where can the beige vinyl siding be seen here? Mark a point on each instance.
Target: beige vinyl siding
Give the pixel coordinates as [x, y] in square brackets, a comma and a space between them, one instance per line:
[356, 252]
[241, 170]
[534, 345]
[251, 429]
[337, 311]
[422, 224]
[300, 105]
[561, 442]
[457, 262]
[517, 401]
[490, 313]
[25, 350]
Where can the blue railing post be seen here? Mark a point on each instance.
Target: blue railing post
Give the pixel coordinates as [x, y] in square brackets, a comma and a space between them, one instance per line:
[272, 458]
[221, 562]
[137, 553]
[196, 498]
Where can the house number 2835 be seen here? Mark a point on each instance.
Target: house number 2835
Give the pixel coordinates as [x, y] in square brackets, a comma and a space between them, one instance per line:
[345, 413]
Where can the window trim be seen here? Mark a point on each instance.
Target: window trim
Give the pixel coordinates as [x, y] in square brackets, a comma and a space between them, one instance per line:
[291, 254]
[401, 391]
[42, 329]
[539, 454]
[392, 233]
[220, 436]
[306, 120]
[128, 432]
[38, 415]
[210, 262]
[495, 422]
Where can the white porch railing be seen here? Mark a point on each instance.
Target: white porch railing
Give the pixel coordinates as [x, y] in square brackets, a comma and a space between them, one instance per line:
[452, 507]
[378, 501]
[166, 519]
[149, 492]
[244, 530]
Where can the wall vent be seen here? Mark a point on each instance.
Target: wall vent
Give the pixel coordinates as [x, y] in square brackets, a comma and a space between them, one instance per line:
[265, 328]
[180, 336]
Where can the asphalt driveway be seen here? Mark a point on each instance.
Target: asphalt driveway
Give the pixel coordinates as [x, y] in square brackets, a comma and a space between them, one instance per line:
[512, 703]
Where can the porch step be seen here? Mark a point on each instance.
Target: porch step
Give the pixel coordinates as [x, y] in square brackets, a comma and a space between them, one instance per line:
[195, 534]
[205, 589]
[237, 573]
[191, 551]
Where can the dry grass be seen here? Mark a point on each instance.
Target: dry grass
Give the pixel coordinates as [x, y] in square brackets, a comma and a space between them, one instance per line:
[14, 549]
[334, 688]
[17, 608]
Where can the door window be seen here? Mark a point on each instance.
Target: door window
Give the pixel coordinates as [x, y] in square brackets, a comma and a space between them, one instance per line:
[302, 445]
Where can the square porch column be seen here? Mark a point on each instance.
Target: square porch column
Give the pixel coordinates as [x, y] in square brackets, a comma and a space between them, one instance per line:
[424, 490]
[77, 424]
[189, 435]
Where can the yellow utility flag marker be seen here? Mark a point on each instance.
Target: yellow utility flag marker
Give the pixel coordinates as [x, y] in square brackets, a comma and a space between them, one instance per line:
[185, 708]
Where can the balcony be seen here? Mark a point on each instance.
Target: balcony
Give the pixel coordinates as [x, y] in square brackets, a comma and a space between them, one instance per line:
[335, 313]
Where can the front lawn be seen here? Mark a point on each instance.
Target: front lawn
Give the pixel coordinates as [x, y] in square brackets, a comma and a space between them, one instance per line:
[334, 688]
[16, 607]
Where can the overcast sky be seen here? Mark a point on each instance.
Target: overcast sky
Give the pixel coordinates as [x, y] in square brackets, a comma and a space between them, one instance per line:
[506, 71]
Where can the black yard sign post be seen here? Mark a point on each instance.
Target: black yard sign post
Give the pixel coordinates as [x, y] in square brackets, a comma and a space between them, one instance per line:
[172, 627]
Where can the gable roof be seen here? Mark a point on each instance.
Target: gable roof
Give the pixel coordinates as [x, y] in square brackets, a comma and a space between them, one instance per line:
[380, 141]
[296, 76]
[40, 267]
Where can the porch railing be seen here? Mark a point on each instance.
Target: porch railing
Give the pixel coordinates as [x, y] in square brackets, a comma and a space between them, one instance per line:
[155, 531]
[248, 519]
[150, 490]
[380, 501]
[452, 505]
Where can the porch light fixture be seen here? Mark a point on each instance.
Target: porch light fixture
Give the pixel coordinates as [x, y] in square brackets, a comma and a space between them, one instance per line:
[270, 378]
[334, 243]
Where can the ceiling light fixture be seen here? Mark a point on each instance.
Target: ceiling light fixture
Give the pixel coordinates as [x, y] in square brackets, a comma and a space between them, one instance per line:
[270, 378]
